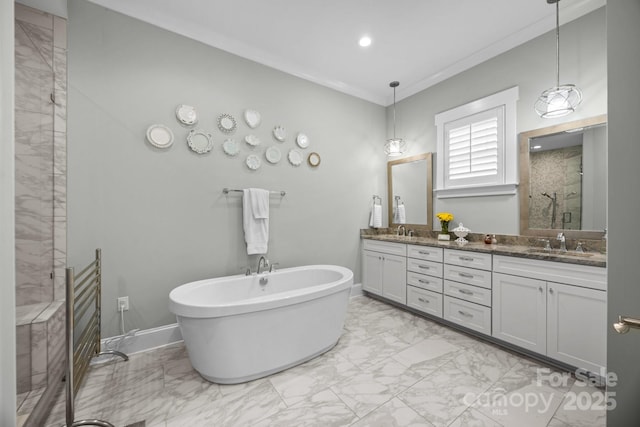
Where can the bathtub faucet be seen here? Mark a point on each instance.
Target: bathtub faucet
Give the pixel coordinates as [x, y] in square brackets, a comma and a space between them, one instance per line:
[262, 264]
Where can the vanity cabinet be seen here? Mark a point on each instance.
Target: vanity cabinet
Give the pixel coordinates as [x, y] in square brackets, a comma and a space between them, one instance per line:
[467, 289]
[384, 269]
[554, 309]
[424, 279]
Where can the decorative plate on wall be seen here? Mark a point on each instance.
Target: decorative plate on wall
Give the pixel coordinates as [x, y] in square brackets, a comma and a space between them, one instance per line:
[302, 140]
[295, 157]
[313, 159]
[253, 119]
[252, 140]
[226, 123]
[186, 115]
[230, 147]
[253, 162]
[199, 141]
[273, 155]
[279, 133]
[160, 136]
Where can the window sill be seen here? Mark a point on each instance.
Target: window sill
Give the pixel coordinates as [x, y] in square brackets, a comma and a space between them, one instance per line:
[477, 191]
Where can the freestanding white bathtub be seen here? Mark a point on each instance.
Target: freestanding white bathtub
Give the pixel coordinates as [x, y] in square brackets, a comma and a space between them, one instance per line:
[240, 328]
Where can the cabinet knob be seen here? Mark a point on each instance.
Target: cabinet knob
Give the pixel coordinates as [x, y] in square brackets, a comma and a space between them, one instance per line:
[540, 288]
[551, 291]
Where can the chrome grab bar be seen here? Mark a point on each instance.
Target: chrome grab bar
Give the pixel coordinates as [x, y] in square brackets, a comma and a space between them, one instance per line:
[625, 323]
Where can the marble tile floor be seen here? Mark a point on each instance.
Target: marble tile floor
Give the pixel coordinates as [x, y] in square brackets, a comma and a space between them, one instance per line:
[390, 368]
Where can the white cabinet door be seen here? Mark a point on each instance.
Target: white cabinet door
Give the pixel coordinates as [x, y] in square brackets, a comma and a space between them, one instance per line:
[577, 326]
[520, 311]
[394, 278]
[372, 272]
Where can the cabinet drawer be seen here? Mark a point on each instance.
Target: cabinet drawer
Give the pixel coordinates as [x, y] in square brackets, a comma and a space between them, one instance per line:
[424, 252]
[425, 267]
[425, 301]
[470, 276]
[468, 259]
[468, 292]
[385, 247]
[467, 314]
[425, 282]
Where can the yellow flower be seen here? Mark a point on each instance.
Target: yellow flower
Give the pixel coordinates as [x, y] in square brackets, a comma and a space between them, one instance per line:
[445, 216]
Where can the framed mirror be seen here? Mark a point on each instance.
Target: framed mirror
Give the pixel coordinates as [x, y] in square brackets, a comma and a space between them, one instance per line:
[410, 191]
[563, 179]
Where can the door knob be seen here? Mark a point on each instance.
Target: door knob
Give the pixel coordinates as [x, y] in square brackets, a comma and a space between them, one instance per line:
[625, 323]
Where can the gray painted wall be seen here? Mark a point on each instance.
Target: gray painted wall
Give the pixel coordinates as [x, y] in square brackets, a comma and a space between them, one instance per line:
[159, 215]
[623, 297]
[7, 219]
[530, 66]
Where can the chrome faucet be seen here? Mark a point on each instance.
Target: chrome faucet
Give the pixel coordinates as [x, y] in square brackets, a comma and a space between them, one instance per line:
[262, 264]
[404, 230]
[563, 242]
[547, 244]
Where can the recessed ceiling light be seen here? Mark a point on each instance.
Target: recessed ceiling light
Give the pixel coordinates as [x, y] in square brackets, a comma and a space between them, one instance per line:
[364, 41]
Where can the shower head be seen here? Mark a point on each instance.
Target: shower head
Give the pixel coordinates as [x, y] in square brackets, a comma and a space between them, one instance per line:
[547, 195]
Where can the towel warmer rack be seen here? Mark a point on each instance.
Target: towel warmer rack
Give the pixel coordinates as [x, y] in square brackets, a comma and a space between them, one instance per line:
[229, 190]
[81, 296]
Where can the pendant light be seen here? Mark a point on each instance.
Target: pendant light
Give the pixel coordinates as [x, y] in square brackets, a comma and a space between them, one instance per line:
[394, 147]
[560, 100]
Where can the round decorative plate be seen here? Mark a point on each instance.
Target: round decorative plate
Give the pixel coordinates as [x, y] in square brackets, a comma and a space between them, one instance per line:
[313, 159]
[159, 136]
[252, 140]
[226, 123]
[186, 114]
[230, 147]
[253, 119]
[279, 133]
[253, 162]
[199, 141]
[302, 140]
[295, 157]
[273, 155]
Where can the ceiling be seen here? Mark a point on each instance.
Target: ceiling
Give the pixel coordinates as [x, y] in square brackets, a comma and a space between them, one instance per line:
[416, 42]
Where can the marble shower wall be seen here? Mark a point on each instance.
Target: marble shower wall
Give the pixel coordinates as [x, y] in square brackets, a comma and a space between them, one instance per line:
[556, 171]
[40, 129]
[40, 168]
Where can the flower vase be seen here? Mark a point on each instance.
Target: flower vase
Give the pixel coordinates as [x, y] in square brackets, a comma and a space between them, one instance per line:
[444, 233]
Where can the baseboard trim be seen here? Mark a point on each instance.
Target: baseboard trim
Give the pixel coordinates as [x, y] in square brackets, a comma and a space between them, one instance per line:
[140, 341]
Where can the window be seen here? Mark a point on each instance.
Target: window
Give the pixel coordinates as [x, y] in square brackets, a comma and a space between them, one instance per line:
[477, 147]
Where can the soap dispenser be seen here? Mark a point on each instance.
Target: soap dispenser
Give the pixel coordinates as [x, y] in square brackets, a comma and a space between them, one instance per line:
[494, 241]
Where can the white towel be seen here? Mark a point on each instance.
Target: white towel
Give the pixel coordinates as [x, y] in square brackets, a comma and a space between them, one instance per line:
[255, 219]
[375, 220]
[402, 216]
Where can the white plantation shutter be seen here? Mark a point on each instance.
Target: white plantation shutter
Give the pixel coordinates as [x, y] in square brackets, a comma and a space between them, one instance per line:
[473, 149]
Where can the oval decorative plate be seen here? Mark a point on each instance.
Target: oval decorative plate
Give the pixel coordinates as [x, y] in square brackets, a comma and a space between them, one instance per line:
[253, 162]
[186, 115]
[230, 147]
[252, 140]
[313, 159]
[273, 155]
[302, 140]
[295, 157]
[253, 119]
[279, 133]
[199, 141]
[159, 136]
[226, 123]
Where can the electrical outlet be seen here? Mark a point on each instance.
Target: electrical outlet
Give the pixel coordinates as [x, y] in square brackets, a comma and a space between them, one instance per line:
[123, 303]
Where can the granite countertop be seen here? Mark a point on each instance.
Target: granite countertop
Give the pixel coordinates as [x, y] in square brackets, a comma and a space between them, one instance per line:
[595, 259]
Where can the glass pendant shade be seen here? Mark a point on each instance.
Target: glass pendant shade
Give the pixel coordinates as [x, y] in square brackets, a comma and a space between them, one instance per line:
[559, 100]
[394, 147]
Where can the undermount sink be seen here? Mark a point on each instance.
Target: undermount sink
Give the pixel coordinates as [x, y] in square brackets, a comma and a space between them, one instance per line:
[541, 251]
